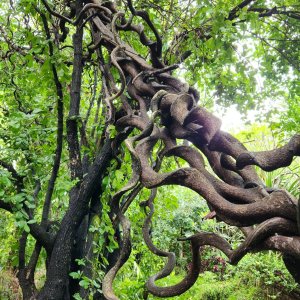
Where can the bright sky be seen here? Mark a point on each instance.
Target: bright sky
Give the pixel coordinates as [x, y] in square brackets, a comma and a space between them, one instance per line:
[231, 120]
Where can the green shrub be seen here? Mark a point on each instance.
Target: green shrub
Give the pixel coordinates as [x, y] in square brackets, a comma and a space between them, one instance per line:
[9, 286]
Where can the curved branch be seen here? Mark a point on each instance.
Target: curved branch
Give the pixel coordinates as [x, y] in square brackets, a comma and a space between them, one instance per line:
[263, 231]
[271, 160]
[123, 257]
[144, 15]
[80, 15]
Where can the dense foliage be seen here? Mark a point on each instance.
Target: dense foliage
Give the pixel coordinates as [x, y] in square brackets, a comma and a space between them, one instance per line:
[101, 103]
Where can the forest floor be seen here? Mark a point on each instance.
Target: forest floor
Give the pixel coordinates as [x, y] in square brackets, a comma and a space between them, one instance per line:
[10, 290]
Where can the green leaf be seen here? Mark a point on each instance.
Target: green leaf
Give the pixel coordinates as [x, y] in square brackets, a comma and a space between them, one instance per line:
[77, 296]
[26, 228]
[84, 283]
[75, 275]
[32, 221]
[80, 262]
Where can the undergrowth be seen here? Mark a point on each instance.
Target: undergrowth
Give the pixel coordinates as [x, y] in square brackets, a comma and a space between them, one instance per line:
[9, 286]
[257, 277]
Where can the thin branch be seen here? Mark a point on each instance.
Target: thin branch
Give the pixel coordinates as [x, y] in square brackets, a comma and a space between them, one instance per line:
[18, 179]
[268, 12]
[79, 16]
[291, 61]
[75, 97]
[234, 12]
[60, 121]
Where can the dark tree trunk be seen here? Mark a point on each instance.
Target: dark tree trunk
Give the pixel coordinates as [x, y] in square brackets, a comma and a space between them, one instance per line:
[27, 285]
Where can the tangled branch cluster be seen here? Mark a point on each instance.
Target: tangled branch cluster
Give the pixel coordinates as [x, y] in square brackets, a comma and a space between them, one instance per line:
[165, 110]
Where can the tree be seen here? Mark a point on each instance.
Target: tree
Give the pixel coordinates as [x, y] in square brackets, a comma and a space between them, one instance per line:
[107, 94]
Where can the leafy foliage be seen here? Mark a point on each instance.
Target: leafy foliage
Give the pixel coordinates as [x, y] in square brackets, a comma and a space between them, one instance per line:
[63, 158]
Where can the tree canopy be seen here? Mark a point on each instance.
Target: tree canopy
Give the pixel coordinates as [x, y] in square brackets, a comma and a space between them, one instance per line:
[101, 101]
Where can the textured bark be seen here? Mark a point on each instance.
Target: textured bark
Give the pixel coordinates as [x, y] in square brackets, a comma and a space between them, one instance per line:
[59, 265]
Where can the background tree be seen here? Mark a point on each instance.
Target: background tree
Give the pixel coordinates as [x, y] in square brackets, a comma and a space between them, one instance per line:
[94, 83]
